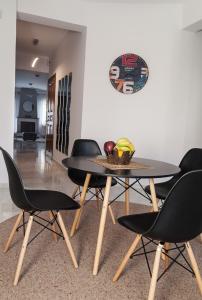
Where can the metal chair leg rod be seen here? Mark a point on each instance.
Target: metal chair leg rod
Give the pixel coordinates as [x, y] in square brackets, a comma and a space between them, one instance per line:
[75, 191]
[13, 231]
[53, 226]
[194, 266]
[23, 250]
[127, 197]
[155, 272]
[69, 246]
[126, 257]
[97, 198]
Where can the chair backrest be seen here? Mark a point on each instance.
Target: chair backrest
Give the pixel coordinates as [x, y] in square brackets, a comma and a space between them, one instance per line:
[82, 147]
[191, 161]
[15, 182]
[85, 147]
[180, 218]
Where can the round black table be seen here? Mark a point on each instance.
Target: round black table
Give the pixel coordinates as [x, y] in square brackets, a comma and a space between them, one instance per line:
[154, 169]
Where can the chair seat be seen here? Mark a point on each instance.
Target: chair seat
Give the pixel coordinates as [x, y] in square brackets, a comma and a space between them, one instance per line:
[96, 181]
[44, 200]
[139, 223]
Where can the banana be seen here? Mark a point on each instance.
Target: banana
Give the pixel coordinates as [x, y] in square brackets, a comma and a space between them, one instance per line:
[120, 153]
[132, 148]
[124, 148]
[123, 141]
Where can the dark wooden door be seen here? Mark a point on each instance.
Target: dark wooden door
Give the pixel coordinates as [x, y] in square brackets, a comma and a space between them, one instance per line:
[50, 115]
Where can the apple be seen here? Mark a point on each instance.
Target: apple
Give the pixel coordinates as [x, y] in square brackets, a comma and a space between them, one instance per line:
[108, 147]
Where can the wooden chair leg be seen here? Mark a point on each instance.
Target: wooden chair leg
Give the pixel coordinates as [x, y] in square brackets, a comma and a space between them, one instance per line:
[75, 191]
[155, 272]
[126, 257]
[127, 197]
[23, 250]
[82, 200]
[165, 257]
[13, 231]
[153, 194]
[53, 227]
[112, 215]
[194, 266]
[69, 246]
[102, 225]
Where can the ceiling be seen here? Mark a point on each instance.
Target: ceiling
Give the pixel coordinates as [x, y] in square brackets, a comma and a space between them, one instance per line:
[139, 1]
[23, 78]
[49, 38]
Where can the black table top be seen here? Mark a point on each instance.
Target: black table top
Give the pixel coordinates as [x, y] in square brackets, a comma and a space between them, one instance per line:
[156, 169]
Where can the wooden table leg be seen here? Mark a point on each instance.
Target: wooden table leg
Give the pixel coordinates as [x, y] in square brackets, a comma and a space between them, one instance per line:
[102, 225]
[155, 208]
[82, 200]
[127, 197]
[153, 194]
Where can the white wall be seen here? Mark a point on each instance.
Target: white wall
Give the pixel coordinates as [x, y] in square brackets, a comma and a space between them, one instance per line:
[69, 57]
[155, 118]
[7, 79]
[192, 15]
[162, 119]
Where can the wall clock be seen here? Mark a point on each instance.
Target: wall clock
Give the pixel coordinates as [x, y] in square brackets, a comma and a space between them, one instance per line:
[128, 73]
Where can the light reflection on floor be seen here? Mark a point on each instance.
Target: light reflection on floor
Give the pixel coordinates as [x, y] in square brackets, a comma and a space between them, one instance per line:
[37, 172]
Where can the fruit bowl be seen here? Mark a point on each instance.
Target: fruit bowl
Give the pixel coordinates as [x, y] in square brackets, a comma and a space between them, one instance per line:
[119, 153]
[115, 159]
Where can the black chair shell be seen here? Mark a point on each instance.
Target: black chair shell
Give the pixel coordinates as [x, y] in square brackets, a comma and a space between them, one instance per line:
[180, 217]
[191, 161]
[32, 200]
[87, 148]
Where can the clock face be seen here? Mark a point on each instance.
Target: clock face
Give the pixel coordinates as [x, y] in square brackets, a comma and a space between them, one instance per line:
[128, 73]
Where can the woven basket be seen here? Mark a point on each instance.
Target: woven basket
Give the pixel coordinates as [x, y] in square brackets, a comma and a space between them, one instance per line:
[123, 160]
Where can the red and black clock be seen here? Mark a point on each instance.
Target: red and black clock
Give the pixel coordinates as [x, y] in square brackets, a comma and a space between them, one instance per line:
[128, 73]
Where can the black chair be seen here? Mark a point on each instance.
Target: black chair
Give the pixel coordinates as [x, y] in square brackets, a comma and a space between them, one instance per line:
[191, 161]
[89, 148]
[33, 202]
[179, 221]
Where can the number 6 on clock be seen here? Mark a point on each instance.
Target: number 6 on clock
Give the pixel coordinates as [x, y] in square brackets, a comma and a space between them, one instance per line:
[128, 87]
